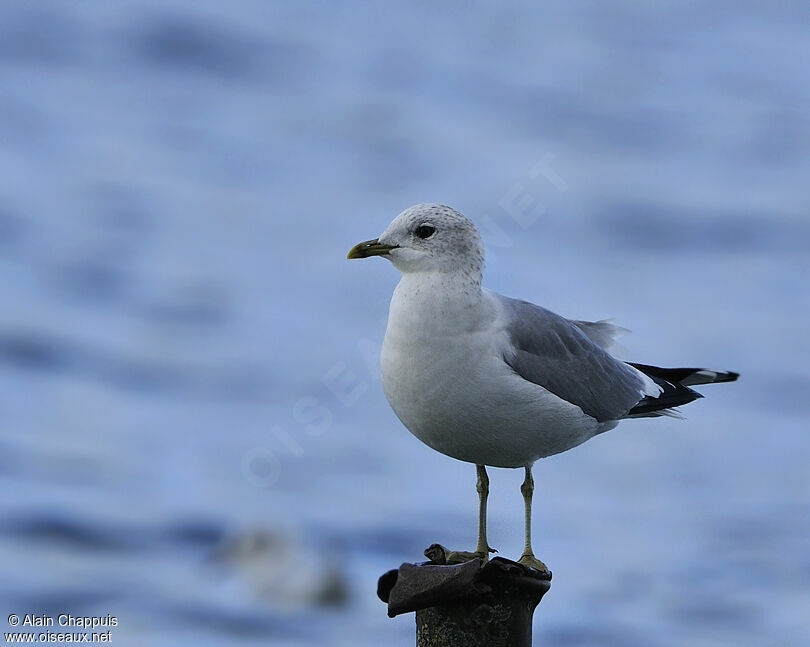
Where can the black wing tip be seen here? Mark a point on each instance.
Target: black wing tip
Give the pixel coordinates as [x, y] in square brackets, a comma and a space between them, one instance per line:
[709, 376]
[676, 383]
[687, 376]
[674, 395]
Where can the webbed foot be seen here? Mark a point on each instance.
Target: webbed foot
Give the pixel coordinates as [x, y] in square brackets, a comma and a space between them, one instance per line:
[440, 554]
[532, 562]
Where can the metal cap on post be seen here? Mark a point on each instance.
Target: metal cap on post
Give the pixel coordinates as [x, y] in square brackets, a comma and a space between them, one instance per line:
[472, 603]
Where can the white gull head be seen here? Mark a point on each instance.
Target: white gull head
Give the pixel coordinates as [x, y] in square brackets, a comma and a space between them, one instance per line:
[429, 238]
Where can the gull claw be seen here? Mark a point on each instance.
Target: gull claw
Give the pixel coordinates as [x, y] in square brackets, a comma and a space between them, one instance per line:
[532, 562]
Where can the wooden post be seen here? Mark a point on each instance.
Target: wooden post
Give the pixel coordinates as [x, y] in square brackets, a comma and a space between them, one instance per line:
[468, 604]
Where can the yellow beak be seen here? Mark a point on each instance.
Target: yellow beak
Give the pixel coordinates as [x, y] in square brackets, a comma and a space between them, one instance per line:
[370, 248]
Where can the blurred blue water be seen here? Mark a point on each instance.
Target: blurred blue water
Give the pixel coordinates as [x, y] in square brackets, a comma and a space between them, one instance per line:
[190, 409]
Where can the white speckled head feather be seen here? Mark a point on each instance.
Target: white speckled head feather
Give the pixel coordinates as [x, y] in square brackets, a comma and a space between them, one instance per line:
[435, 238]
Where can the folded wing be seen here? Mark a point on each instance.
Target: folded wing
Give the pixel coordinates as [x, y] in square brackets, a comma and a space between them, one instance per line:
[555, 353]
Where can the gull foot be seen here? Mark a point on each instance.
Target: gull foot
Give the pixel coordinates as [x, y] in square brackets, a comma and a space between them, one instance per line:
[440, 554]
[461, 556]
[532, 562]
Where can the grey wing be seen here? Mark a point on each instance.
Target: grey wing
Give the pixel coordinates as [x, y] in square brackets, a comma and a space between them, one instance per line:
[553, 352]
[602, 333]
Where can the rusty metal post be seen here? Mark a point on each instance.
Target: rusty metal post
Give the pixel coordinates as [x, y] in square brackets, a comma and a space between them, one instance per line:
[467, 604]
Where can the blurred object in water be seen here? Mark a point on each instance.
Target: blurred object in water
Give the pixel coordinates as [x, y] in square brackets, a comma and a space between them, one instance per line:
[281, 571]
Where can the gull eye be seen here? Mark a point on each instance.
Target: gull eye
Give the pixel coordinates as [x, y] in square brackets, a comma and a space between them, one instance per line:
[425, 231]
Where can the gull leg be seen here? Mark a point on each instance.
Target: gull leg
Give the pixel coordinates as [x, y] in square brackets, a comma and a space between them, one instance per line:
[528, 558]
[527, 490]
[482, 548]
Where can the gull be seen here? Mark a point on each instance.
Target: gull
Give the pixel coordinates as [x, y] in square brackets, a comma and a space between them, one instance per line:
[496, 381]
